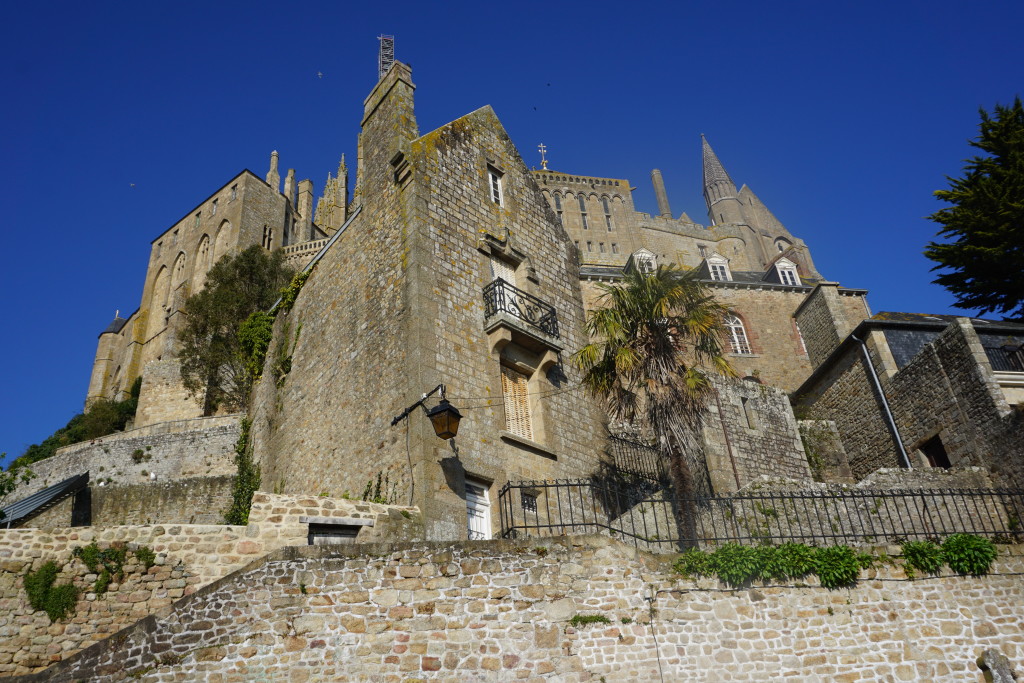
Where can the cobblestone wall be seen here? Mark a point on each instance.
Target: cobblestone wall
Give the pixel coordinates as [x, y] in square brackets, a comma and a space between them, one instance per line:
[496, 610]
[188, 556]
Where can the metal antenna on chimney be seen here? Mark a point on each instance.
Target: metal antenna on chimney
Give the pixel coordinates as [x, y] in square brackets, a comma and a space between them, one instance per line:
[387, 54]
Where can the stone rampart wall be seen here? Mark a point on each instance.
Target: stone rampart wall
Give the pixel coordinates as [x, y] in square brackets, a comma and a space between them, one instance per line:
[188, 556]
[172, 450]
[498, 610]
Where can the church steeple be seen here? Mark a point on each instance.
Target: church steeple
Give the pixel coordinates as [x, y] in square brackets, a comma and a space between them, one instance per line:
[719, 189]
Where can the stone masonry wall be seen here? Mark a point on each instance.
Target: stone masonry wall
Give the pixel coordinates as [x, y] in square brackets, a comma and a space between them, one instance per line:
[188, 556]
[946, 390]
[174, 450]
[500, 610]
[749, 432]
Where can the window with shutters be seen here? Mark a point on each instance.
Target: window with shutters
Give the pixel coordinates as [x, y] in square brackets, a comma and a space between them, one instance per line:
[503, 269]
[478, 510]
[514, 388]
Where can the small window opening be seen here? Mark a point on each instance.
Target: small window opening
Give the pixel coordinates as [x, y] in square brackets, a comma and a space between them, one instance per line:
[494, 179]
[529, 503]
[234, 192]
[936, 453]
[213, 208]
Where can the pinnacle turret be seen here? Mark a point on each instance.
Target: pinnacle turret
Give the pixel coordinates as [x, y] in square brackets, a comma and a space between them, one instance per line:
[714, 172]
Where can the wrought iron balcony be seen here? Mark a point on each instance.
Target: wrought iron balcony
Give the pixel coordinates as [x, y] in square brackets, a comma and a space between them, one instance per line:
[501, 297]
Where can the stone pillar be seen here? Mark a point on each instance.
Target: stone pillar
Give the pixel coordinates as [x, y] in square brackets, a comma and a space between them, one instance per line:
[289, 187]
[273, 177]
[304, 226]
[659, 191]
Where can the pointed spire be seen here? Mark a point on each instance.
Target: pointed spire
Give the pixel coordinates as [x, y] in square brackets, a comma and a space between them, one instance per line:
[342, 167]
[714, 172]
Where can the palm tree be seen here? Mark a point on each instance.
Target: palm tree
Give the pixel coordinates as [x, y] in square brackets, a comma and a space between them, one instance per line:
[652, 341]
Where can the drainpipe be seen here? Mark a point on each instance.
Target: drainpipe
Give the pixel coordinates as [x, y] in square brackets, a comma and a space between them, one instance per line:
[885, 402]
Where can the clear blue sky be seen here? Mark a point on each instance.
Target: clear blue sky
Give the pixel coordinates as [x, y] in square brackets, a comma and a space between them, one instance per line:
[843, 118]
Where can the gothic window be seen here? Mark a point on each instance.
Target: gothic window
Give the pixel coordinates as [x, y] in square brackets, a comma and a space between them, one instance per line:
[558, 202]
[607, 213]
[514, 387]
[478, 510]
[737, 335]
[179, 269]
[583, 210]
[494, 182]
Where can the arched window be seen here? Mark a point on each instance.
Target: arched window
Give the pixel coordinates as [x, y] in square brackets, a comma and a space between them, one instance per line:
[558, 202]
[737, 335]
[224, 239]
[583, 210]
[179, 269]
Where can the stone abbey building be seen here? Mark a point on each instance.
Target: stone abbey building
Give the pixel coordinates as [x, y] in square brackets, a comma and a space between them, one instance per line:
[446, 261]
[450, 262]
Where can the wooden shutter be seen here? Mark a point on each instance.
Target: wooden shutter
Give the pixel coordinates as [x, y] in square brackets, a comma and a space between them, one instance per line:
[517, 406]
[503, 270]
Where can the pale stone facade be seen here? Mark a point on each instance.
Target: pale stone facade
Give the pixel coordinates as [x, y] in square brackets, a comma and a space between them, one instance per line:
[500, 610]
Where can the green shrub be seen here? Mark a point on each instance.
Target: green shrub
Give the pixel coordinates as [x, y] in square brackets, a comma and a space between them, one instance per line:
[969, 554]
[247, 480]
[695, 563]
[837, 566]
[56, 600]
[737, 564]
[99, 586]
[923, 556]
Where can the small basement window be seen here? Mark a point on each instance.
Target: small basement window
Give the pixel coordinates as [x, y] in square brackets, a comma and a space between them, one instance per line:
[333, 534]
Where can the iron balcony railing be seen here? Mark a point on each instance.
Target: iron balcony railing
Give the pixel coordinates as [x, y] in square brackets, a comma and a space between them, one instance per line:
[501, 297]
[648, 519]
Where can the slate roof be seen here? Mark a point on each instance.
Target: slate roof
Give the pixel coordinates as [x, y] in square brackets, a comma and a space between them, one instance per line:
[943, 319]
[40, 500]
[115, 325]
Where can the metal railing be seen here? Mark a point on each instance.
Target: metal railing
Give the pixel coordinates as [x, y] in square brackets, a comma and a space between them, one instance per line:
[1006, 358]
[586, 506]
[636, 458]
[501, 297]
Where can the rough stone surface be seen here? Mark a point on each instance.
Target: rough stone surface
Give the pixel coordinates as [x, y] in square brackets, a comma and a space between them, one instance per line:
[332, 614]
[188, 556]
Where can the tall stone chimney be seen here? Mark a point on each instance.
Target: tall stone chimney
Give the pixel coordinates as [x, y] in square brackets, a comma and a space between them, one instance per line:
[273, 177]
[659, 191]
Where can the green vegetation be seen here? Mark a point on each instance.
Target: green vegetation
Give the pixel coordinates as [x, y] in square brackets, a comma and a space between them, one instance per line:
[579, 620]
[653, 336]
[381, 490]
[835, 566]
[216, 363]
[146, 556]
[56, 600]
[103, 417]
[969, 554]
[247, 481]
[923, 556]
[985, 224]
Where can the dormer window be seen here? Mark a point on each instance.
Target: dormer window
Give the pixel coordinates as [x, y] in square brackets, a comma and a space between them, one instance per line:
[787, 273]
[642, 261]
[788, 276]
[718, 268]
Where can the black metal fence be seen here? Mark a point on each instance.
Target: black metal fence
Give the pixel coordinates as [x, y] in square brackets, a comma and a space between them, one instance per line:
[585, 506]
[501, 297]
